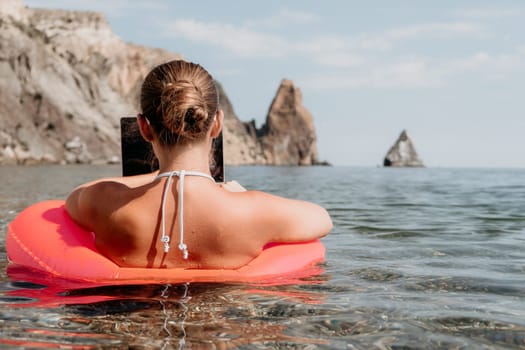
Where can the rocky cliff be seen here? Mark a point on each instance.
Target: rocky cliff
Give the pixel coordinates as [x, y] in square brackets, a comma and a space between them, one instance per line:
[66, 79]
[403, 153]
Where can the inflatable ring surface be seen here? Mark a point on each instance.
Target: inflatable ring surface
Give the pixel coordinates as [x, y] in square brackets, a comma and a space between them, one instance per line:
[44, 238]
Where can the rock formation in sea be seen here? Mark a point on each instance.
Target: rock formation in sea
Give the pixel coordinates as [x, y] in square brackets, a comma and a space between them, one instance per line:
[289, 133]
[403, 153]
[66, 80]
[287, 138]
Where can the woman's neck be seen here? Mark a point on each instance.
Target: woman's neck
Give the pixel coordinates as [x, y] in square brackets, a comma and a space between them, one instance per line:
[191, 156]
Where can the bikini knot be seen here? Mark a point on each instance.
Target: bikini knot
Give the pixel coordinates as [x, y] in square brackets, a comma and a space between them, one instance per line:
[184, 248]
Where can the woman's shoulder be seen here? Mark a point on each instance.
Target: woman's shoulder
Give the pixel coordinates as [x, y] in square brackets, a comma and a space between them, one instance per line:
[276, 218]
[91, 204]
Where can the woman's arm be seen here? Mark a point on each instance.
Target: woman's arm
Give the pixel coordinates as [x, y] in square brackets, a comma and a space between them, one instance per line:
[286, 220]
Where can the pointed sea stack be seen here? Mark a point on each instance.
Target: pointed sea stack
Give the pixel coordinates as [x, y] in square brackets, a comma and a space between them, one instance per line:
[288, 136]
[403, 153]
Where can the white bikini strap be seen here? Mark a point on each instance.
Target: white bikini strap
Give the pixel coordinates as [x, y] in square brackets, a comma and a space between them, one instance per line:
[182, 247]
[165, 238]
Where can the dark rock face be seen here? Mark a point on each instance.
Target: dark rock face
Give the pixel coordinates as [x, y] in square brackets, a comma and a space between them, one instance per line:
[66, 80]
[402, 153]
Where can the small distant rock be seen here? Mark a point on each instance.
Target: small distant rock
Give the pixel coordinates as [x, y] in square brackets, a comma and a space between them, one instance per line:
[74, 144]
[76, 151]
[403, 153]
[114, 160]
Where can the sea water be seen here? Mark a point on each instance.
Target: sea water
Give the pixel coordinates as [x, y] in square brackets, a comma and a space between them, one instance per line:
[418, 259]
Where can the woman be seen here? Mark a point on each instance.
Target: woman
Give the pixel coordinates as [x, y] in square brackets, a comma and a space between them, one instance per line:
[138, 220]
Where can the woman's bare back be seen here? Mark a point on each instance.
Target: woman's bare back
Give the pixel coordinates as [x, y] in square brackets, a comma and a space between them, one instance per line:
[222, 229]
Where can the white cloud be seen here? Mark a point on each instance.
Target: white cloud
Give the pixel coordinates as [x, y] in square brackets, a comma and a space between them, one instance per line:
[342, 59]
[328, 50]
[283, 18]
[332, 51]
[440, 29]
[240, 41]
[227, 72]
[407, 73]
[372, 60]
[389, 38]
[320, 44]
[410, 73]
[489, 13]
[421, 72]
[484, 62]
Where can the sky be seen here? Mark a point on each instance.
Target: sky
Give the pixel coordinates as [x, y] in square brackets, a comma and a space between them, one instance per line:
[452, 73]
